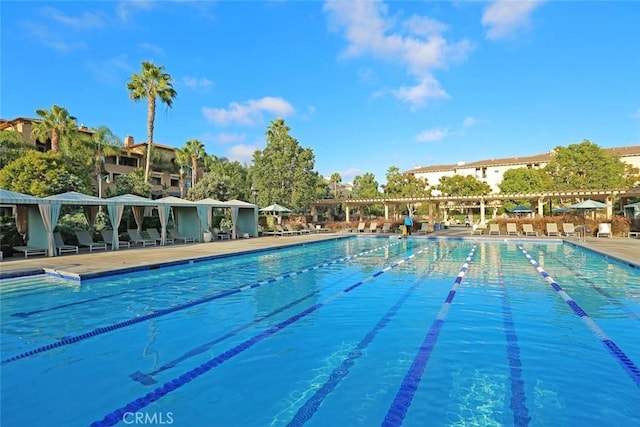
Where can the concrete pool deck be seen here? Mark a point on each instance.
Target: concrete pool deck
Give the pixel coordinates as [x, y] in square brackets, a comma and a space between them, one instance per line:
[86, 265]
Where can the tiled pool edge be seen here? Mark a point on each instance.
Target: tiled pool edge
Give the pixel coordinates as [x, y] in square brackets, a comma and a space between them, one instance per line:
[608, 256]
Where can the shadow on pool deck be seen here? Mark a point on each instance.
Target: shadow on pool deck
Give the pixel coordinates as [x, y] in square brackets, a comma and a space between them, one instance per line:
[91, 264]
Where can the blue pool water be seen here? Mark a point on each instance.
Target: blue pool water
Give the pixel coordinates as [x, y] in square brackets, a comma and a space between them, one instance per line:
[352, 332]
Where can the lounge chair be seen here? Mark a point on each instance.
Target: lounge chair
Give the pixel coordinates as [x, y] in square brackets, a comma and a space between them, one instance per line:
[528, 230]
[320, 229]
[604, 229]
[107, 235]
[512, 229]
[155, 235]
[424, 228]
[282, 232]
[292, 230]
[568, 229]
[175, 236]
[361, 227]
[373, 228]
[494, 229]
[477, 230]
[386, 228]
[219, 234]
[137, 239]
[552, 229]
[61, 246]
[30, 250]
[305, 229]
[86, 240]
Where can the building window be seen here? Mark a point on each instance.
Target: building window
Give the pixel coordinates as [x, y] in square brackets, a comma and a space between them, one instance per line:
[156, 180]
[128, 161]
[175, 182]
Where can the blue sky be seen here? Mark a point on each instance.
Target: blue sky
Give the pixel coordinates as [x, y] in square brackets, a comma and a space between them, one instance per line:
[366, 85]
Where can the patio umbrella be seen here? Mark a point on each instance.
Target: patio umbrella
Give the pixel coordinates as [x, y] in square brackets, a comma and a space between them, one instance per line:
[587, 205]
[521, 209]
[275, 209]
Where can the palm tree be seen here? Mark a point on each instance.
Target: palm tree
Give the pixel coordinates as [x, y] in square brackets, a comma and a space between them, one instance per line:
[195, 150]
[103, 142]
[56, 121]
[150, 84]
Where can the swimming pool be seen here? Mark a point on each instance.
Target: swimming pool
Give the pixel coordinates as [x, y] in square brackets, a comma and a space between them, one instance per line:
[357, 331]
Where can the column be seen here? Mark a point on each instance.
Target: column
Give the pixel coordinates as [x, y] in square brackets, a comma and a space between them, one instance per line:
[483, 222]
[540, 213]
[346, 213]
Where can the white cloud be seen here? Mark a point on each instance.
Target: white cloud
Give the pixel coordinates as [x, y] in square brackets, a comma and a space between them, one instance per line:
[196, 82]
[242, 153]
[124, 9]
[248, 113]
[86, 21]
[349, 174]
[52, 39]
[416, 43]
[112, 69]
[431, 135]
[158, 50]
[428, 88]
[504, 18]
[469, 121]
[229, 138]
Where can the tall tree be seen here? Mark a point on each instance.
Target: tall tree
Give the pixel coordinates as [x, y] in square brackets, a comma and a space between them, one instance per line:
[459, 185]
[194, 149]
[586, 166]
[41, 175]
[151, 84]
[365, 186]
[400, 185]
[336, 180]
[283, 171]
[57, 122]
[12, 147]
[523, 180]
[102, 142]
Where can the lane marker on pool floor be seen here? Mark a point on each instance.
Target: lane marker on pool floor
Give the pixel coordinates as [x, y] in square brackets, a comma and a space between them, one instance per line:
[162, 312]
[400, 406]
[215, 270]
[306, 411]
[518, 405]
[116, 416]
[627, 364]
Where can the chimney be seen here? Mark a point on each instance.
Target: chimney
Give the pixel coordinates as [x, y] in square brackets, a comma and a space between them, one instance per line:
[128, 141]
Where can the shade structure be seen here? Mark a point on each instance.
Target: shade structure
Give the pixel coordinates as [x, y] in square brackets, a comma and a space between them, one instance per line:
[560, 210]
[589, 204]
[275, 209]
[521, 209]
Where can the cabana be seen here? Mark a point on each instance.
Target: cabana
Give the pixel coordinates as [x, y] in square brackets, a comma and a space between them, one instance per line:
[116, 205]
[50, 212]
[245, 218]
[185, 215]
[26, 214]
[632, 210]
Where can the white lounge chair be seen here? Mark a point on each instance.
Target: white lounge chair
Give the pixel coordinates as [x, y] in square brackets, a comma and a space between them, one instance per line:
[155, 235]
[512, 229]
[494, 229]
[107, 235]
[604, 230]
[137, 239]
[85, 239]
[361, 227]
[220, 234]
[373, 228]
[175, 236]
[61, 246]
[477, 230]
[292, 230]
[528, 230]
[424, 228]
[552, 229]
[30, 250]
[568, 229]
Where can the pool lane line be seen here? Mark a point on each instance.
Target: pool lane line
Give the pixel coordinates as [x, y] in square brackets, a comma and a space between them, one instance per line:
[147, 378]
[116, 416]
[518, 405]
[402, 401]
[306, 411]
[627, 364]
[125, 292]
[104, 329]
[613, 300]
